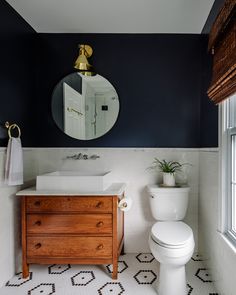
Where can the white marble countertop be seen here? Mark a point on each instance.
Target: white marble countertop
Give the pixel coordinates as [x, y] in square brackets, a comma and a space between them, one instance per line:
[116, 189]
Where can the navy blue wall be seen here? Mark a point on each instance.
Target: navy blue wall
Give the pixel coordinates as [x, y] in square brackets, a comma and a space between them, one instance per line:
[161, 81]
[209, 111]
[158, 79]
[16, 73]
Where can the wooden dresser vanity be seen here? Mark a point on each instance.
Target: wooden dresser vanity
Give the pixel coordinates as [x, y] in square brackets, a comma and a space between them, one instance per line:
[71, 228]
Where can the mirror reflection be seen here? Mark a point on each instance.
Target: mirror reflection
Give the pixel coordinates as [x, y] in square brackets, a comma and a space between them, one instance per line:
[85, 107]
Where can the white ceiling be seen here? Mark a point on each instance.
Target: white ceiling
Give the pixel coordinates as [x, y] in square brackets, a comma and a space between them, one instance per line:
[113, 16]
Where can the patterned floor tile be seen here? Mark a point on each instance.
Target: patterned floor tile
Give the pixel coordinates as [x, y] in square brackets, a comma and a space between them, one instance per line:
[138, 274]
[122, 266]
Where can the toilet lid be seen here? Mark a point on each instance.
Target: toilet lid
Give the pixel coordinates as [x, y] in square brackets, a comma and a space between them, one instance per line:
[171, 233]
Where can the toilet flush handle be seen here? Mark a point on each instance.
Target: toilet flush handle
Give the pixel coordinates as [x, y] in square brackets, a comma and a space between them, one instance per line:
[152, 196]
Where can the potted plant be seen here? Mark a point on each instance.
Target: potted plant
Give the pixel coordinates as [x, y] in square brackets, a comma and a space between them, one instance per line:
[168, 168]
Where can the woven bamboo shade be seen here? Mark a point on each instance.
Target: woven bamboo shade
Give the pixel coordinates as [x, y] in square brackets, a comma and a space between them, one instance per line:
[222, 43]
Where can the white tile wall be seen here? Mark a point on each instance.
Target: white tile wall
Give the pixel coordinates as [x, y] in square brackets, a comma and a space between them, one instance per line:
[130, 166]
[219, 257]
[127, 165]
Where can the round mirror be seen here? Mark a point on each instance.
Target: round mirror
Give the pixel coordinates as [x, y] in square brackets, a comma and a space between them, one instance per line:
[85, 107]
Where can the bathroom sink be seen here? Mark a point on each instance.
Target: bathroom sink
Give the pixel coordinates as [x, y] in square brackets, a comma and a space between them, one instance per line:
[74, 181]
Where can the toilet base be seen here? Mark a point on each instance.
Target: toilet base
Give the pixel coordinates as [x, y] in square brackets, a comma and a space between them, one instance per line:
[172, 280]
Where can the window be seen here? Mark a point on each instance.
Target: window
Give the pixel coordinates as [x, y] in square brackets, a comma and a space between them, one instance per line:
[229, 166]
[222, 91]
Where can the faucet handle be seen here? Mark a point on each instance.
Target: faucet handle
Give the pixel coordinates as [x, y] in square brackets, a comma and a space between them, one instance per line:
[94, 157]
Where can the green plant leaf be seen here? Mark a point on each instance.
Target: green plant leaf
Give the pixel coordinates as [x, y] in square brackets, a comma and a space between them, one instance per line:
[167, 167]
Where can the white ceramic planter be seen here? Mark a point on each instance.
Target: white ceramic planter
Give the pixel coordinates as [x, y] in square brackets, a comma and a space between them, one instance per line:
[168, 179]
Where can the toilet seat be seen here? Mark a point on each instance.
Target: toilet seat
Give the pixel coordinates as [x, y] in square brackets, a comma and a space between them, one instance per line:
[172, 234]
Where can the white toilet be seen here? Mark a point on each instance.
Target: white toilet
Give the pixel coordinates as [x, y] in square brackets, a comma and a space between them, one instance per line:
[171, 241]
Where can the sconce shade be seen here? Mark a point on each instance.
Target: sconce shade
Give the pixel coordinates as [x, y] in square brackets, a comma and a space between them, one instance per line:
[81, 62]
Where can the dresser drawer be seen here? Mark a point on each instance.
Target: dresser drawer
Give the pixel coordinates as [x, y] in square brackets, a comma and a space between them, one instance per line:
[77, 247]
[68, 204]
[69, 223]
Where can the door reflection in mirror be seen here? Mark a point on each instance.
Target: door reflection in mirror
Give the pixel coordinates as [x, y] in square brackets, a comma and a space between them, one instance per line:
[85, 107]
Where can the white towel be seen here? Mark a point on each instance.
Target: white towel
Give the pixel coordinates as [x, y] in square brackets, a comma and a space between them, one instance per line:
[14, 162]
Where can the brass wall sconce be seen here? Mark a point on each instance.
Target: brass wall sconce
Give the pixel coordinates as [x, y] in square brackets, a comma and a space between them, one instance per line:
[81, 63]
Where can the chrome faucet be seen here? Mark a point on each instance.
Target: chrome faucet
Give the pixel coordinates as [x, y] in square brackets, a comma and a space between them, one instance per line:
[81, 156]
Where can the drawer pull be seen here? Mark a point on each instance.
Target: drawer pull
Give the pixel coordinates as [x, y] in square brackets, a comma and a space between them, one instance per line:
[38, 222]
[37, 203]
[100, 247]
[99, 204]
[100, 224]
[37, 246]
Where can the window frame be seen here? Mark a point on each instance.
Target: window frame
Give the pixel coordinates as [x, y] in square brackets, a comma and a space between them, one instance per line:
[226, 198]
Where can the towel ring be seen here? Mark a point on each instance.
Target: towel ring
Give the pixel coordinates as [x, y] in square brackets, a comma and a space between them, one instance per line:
[12, 126]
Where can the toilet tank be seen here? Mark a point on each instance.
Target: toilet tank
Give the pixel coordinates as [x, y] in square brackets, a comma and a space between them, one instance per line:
[168, 203]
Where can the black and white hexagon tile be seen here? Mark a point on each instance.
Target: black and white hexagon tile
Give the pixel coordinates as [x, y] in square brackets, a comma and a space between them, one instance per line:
[111, 288]
[145, 257]
[122, 266]
[44, 288]
[58, 269]
[203, 275]
[18, 281]
[138, 274]
[145, 277]
[197, 257]
[83, 278]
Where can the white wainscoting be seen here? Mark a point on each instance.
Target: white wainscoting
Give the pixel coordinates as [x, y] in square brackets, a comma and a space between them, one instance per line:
[217, 254]
[128, 165]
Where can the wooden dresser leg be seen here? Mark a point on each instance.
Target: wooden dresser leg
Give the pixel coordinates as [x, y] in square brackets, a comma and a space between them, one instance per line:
[25, 270]
[115, 270]
[115, 238]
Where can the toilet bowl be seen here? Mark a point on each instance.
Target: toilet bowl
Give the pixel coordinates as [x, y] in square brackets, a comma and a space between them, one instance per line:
[171, 241]
[172, 244]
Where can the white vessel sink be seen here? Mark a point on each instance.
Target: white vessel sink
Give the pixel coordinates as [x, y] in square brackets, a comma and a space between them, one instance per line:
[74, 181]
